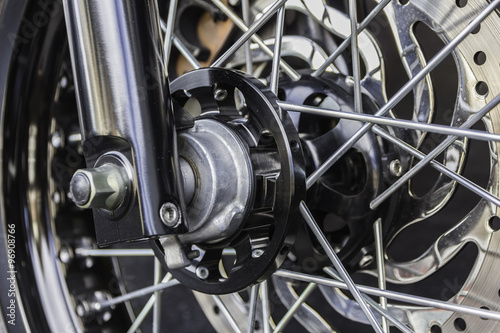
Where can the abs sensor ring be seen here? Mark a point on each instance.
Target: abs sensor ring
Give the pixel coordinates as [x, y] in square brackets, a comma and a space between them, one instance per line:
[260, 239]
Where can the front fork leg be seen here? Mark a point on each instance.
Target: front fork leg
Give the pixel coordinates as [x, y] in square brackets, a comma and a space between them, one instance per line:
[126, 120]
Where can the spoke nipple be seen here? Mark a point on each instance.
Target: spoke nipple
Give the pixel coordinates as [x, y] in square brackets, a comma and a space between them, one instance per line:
[170, 215]
[56, 140]
[366, 261]
[220, 95]
[66, 254]
[396, 168]
[202, 272]
[349, 80]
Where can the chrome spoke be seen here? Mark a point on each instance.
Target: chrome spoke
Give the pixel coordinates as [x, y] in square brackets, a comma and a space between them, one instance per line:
[168, 28]
[185, 52]
[343, 46]
[440, 167]
[245, 10]
[264, 295]
[288, 70]
[83, 252]
[278, 38]
[433, 154]
[436, 60]
[254, 295]
[338, 265]
[142, 315]
[157, 304]
[358, 106]
[135, 294]
[401, 123]
[397, 296]
[225, 312]
[146, 308]
[379, 254]
[382, 311]
[295, 306]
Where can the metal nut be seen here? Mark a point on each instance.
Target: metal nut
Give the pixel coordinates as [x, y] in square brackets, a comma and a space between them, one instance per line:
[395, 168]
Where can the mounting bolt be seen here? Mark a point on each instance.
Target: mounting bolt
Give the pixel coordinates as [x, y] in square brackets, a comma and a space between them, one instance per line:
[220, 94]
[102, 187]
[395, 168]
[257, 253]
[202, 272]
[170, 215]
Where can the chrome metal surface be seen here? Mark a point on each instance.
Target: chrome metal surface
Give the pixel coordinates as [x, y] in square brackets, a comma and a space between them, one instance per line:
[218, 158]
[103, 187]
[123, 99]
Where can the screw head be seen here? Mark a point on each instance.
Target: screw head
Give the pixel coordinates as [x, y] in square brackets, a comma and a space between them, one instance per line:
[202, 272]
[170, 215]
[220, 95]
[395, 168]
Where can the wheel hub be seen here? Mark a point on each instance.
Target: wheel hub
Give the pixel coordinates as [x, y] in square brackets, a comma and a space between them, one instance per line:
[243, 173]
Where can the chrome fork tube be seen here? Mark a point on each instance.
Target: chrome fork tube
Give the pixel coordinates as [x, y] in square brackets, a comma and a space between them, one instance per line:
[125, 107]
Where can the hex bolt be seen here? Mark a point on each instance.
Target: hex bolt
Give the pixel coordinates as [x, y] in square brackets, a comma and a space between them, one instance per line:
[170, 214]
[202, 272]
[220, 94]
[102, 187]
[395, 168]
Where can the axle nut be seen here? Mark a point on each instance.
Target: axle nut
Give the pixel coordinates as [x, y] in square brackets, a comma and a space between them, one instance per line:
[103, 187]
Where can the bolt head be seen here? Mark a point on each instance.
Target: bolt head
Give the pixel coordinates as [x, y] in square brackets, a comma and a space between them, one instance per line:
[257, 253]
[80, 189]
[170, 215]
[220, 95]
[396, 168]
[202, 272]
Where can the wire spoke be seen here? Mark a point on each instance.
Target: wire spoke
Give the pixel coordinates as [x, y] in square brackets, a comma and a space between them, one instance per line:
[358, 106]
[379, 253]
[295, 306]
[146, 308]
[433, 154]
[169, 31]
[382, 311]
[436, 60]
[254, 295]
[186, 53]
[135, 294]
[245, 10]
[397, 296]
[401, 123]
[225, 312]
[338, 265]
[266, 315]
[343, 46]
[83, 252]
[157, 304]
[278, 38]
[438, 166]
[288, 70]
